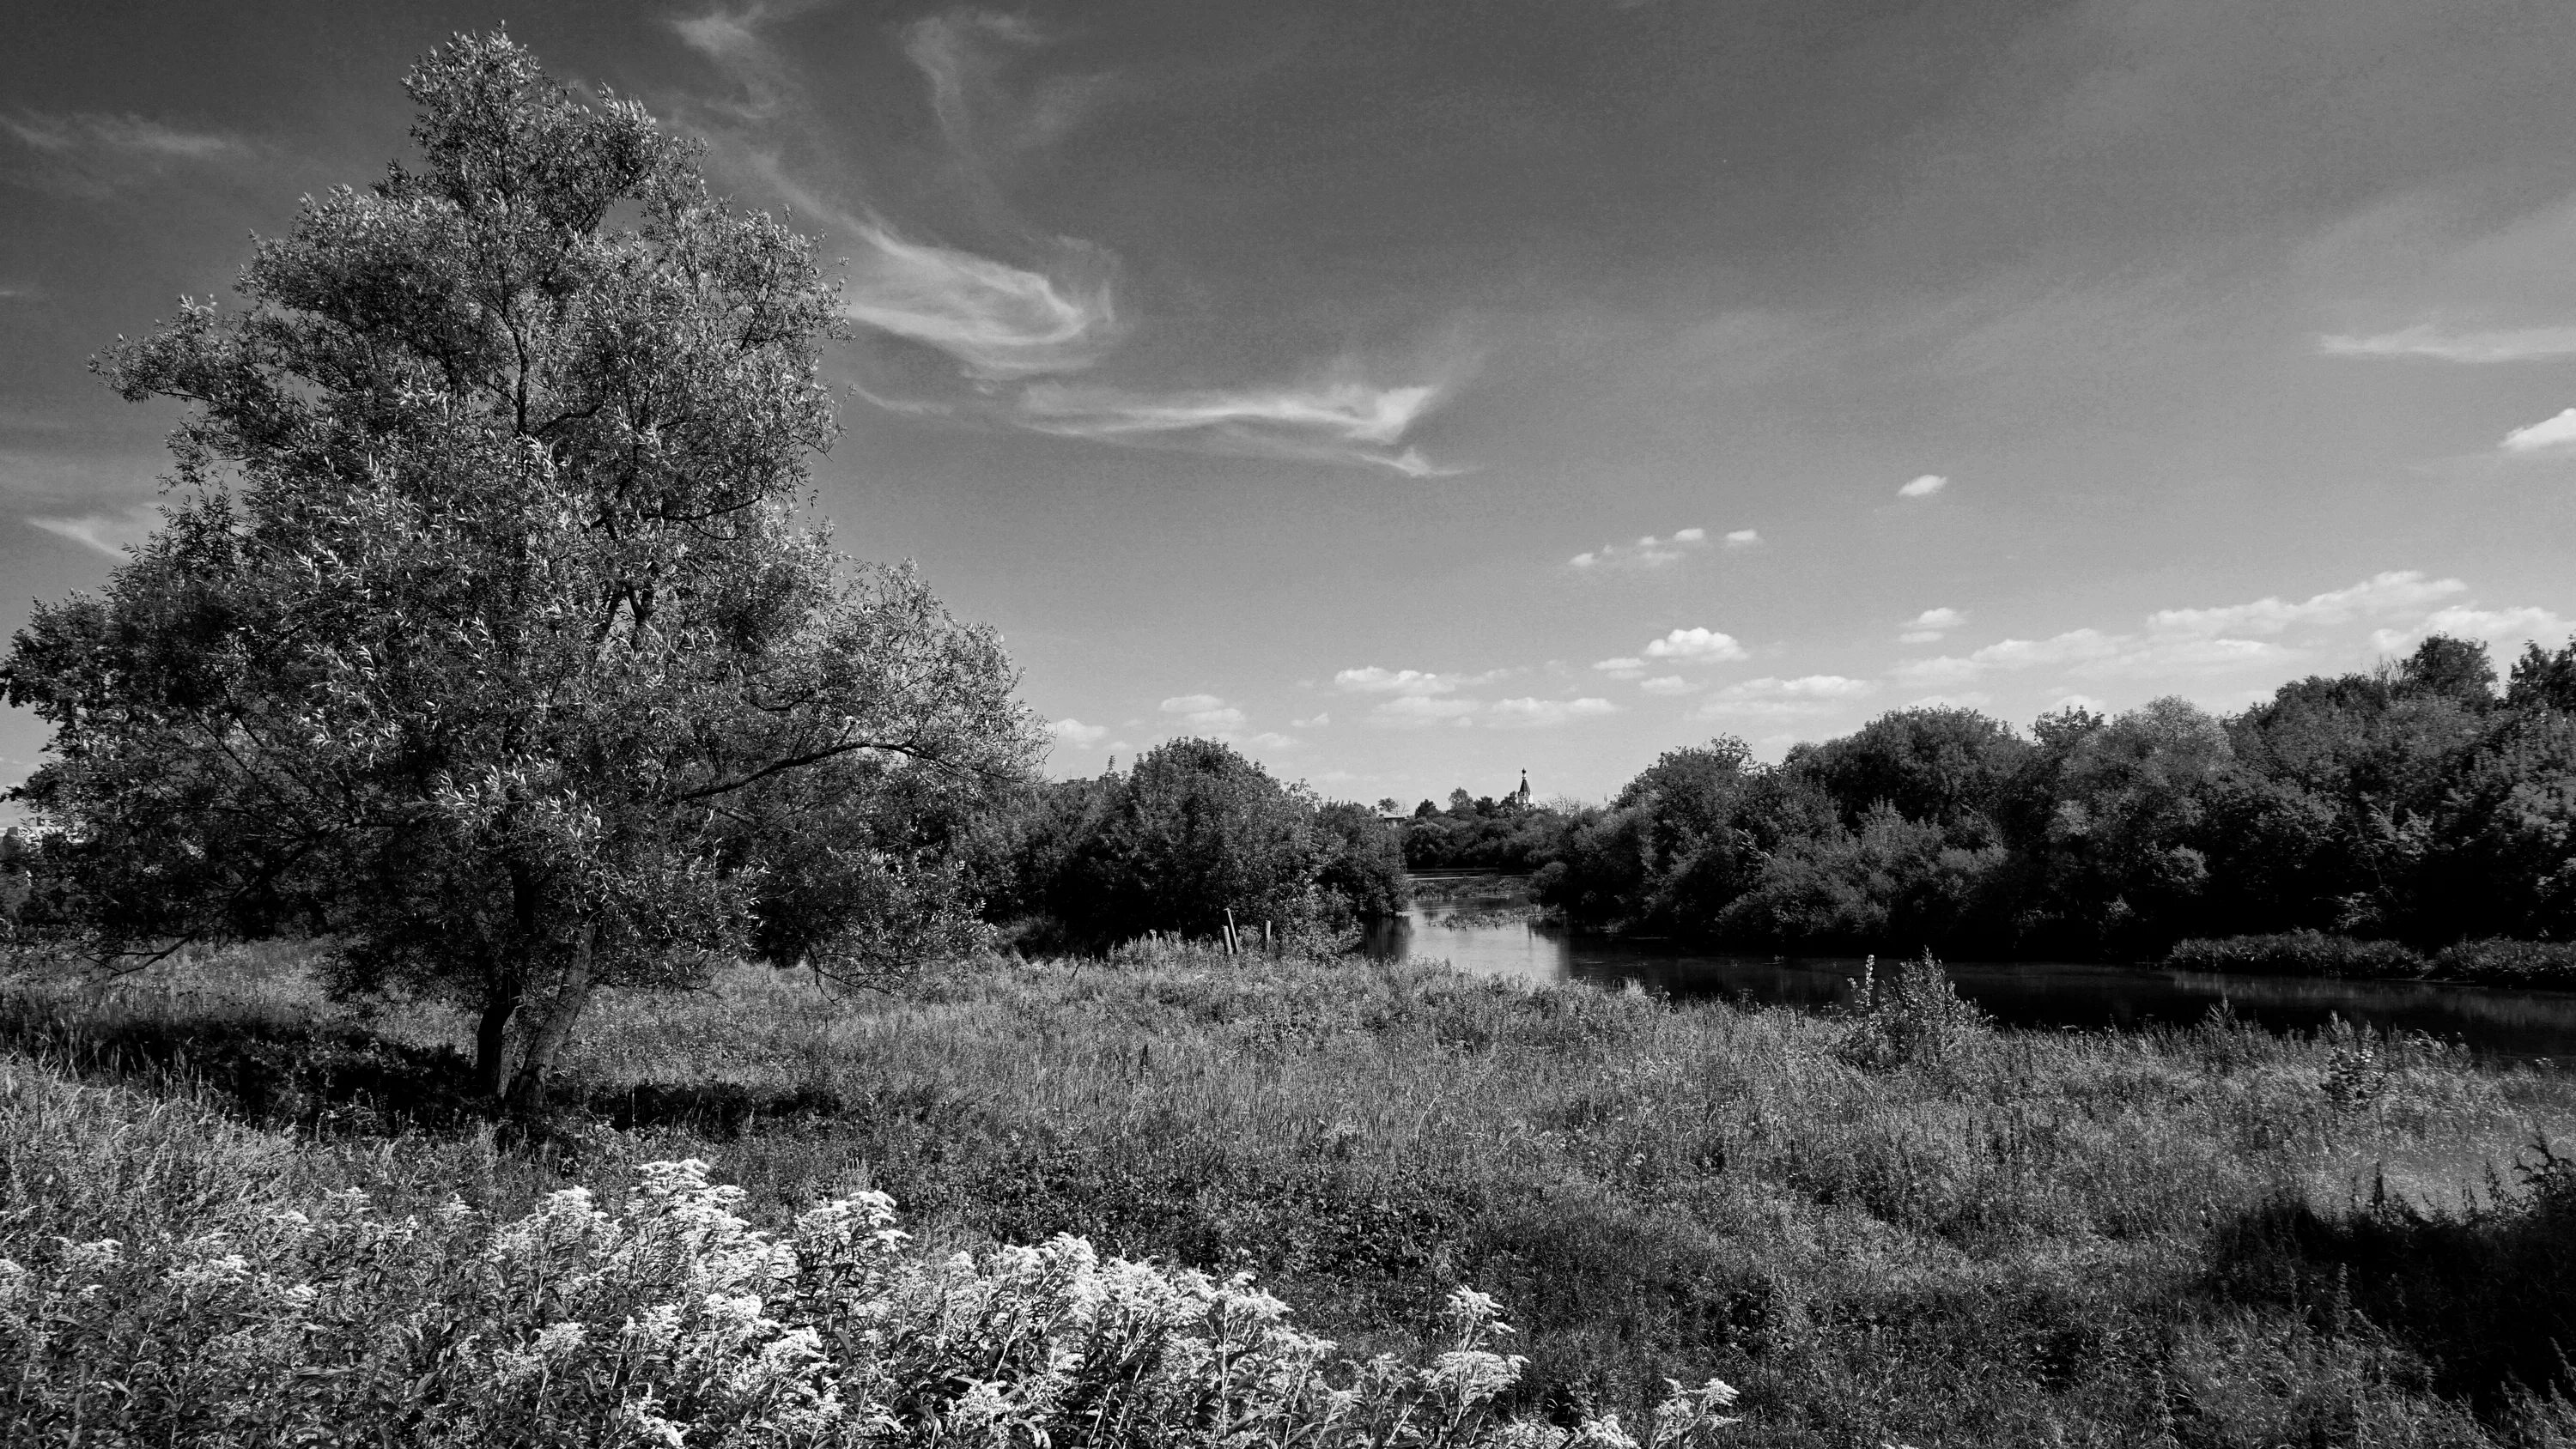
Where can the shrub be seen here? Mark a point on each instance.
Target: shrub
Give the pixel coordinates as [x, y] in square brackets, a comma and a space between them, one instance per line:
[2509, 963]
[1909, 1014]
[2294, 953]
[674, 1321]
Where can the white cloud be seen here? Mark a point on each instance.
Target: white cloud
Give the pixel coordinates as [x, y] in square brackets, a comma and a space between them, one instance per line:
[2092, 654]
[1540, 713]
[2506, 628]
[1075, 732]
[1772, 697]
[1622, 668]
[1334, 422]
[1931, 624]
[1204, 712]
[1646, 553]
[1668, 684]
[1376, 680]
[2547, 435]
[1320, 719]
[89, 153]
[1743, 538]
[1702, 644]
[109, 533]
[1272, 740]
[1417, 711]
[2519, 344]
[1924, 486]
[2385, 593]
[998, 320]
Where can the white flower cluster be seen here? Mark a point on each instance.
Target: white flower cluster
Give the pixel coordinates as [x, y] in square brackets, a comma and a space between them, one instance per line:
[674, 1323]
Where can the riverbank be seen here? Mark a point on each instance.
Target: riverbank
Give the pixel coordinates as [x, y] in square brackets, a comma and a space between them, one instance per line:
[2545, 964]
[1898, 1226]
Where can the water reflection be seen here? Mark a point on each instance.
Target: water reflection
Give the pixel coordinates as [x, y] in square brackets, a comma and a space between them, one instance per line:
[1485, 935]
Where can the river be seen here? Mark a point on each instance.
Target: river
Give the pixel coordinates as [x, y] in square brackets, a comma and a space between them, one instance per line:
[1478, 924]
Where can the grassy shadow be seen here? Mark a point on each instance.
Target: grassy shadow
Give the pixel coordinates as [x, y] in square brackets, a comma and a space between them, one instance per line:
[2484, 1293]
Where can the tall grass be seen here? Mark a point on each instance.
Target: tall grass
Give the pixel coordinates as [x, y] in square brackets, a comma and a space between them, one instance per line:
[1903, 1226]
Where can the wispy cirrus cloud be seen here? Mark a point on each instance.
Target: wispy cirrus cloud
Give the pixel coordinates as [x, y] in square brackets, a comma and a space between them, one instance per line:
[2427, 342]
[92, 153]
[1015, 331]
[113, 534]
[1341, 421]
[1375, 679]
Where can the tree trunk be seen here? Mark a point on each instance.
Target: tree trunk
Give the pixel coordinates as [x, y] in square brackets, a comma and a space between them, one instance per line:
[527, 1091]
[491, 1037]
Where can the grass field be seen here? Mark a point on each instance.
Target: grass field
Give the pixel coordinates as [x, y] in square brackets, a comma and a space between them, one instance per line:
[1901, 1227]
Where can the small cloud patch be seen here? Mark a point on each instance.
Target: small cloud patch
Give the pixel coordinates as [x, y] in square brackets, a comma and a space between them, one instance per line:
[1924, 486]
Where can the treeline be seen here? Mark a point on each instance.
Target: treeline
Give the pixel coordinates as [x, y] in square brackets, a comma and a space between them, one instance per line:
[2418, 803]
[1509, 834]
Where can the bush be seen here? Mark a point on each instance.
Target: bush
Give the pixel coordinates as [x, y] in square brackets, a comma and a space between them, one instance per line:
[2509, 963]
[674, 1321]
[2295, 953]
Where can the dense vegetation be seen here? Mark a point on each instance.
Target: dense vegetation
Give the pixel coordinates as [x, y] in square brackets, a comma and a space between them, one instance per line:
[1895, 1226]
[2416, 804]
[1192, 838]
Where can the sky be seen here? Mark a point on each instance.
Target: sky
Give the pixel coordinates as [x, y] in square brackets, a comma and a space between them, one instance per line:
[1417, 394]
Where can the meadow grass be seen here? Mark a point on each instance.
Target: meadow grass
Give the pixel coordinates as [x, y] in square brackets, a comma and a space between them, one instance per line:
[1902, 1226]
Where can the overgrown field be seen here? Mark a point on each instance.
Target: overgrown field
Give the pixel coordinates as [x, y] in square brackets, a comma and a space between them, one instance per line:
[1898, 1228]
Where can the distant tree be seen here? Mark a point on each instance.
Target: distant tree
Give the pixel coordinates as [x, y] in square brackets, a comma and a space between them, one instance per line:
[2446, 668]
[1193, 831]
[2544, 679]
[1943, 767]
[1362, 877]
[483, 632]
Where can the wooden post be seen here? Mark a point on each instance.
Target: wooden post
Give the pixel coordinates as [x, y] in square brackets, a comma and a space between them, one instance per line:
[1231, 944]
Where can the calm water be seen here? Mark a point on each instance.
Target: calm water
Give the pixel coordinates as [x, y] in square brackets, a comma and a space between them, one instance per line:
[2510, 1023]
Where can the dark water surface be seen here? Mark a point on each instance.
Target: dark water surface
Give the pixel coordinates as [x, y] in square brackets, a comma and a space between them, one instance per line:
[1468, 934]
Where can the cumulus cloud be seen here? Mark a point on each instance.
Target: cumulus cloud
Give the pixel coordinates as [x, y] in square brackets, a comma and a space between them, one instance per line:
[1622, 667]
[2093, 654]
[2519, 344]
[1931, 624]
[1203, 712]
[112, 534]
[1074, 732]
[2385, 593]
[1743, 538]
[2507, 628]
[1924, 486]
[1705, 645]
[1419, 711]
[1775, 698]
[1647, 552]
[1376, 680]
[2549, 435]
[1541, 713]
[1341, 421]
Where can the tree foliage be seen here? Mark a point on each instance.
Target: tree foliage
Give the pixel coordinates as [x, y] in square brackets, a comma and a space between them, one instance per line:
[2412, 803]
[483, 631]
[1195, 831]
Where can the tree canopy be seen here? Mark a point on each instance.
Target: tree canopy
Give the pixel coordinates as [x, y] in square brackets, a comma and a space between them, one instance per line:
[484, 631]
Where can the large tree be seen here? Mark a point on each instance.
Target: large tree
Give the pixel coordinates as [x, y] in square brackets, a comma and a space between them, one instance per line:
[484, 632]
